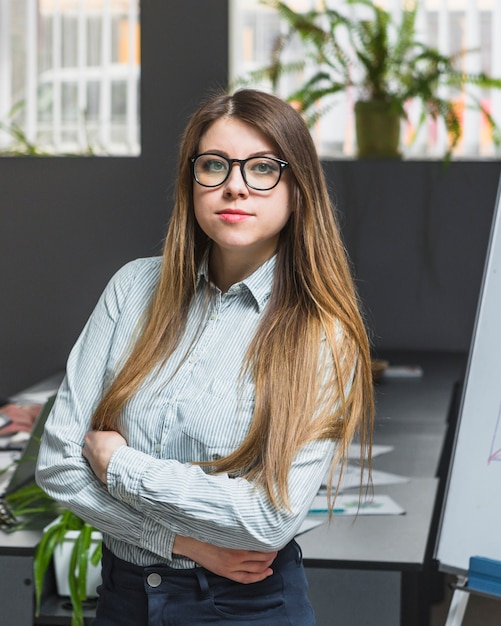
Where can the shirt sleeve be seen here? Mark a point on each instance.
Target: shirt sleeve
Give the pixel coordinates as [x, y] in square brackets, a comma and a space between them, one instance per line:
[62, 472]
[218, 509]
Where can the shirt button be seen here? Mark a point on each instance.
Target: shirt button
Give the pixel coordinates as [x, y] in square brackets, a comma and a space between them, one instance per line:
[154, 580]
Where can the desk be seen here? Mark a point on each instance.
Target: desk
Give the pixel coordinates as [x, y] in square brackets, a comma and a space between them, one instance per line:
[17, 603]
[371, 570]
[16, 577]
[376, 570]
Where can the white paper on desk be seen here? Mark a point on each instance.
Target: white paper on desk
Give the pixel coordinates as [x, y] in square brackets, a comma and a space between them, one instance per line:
[354, 450]
[15, 441]
[351, 478]
[402, 371]
[35, 397]
[351, 505]
[8, 458]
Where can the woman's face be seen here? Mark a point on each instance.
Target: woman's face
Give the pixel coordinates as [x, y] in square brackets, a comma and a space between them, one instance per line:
[242, 223]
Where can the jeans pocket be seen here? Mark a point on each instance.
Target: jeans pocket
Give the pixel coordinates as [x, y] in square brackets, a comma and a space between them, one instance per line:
[256, 601]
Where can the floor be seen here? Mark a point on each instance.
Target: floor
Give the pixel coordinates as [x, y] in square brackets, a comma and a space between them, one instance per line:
[480, 611]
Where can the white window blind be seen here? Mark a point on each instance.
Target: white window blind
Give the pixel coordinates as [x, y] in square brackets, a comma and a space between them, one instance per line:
[449, 25]
[69, 76]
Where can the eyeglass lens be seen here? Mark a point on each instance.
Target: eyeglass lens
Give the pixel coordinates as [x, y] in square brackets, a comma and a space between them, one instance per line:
[260, 173]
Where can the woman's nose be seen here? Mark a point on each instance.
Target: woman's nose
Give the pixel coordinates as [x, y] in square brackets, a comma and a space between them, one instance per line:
[235, 183]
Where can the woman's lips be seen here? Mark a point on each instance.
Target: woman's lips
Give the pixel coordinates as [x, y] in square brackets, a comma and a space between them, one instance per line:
[233, 215]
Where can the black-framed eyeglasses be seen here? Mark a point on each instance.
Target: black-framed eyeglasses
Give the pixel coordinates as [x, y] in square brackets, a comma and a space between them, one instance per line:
[261, 173]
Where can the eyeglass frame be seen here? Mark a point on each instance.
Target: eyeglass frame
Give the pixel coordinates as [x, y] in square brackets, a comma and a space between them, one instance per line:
[283, 166]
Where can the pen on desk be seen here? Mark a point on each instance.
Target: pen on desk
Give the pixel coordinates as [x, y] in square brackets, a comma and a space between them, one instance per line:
[335, 510]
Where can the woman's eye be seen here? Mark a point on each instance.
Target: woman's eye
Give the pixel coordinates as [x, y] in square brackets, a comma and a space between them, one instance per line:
[215, 165]
[264, 167]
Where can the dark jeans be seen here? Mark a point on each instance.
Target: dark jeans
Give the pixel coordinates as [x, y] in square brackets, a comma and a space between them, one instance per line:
[161, 596]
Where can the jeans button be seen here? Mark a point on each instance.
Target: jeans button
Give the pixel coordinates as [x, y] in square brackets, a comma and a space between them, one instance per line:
[154, 580]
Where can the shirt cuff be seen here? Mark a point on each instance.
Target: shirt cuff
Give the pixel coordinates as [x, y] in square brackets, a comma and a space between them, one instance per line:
[125, 470]
[154, 535]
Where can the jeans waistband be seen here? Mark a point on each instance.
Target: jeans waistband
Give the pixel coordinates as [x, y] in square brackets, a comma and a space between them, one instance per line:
[130, 575]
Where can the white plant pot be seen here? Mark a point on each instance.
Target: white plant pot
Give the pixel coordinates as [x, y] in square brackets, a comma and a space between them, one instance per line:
[62, 556]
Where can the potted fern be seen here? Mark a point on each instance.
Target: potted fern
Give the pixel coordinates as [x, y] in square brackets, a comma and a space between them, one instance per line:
[383, 62]
[73, 545]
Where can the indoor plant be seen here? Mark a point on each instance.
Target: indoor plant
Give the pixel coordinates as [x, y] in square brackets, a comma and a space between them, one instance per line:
[383, 61]
[33, 508]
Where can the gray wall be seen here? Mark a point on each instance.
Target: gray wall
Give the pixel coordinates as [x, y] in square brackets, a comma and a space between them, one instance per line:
[66, 224]
[417, 238]
[417, 235]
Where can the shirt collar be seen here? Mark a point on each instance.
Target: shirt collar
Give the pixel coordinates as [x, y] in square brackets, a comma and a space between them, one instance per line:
[258, 284]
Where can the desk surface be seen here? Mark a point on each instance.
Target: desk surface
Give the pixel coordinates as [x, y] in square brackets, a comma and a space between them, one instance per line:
[411, 415]
[19, 543]
[393, 542]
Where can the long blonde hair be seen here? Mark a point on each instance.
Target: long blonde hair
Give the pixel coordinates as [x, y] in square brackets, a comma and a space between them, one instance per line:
[310, 358]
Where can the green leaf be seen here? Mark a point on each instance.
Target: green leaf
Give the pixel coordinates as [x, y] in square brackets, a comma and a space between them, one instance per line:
[97, 554]
[84, 557]
[43, 556]
[378, 56]
[76, 601]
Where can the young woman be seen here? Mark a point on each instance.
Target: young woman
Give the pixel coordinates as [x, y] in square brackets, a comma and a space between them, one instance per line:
[214, 388]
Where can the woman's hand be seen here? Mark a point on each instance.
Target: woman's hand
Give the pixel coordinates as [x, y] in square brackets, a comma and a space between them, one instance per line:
[99, 445]
[23, 418]
[242, 566]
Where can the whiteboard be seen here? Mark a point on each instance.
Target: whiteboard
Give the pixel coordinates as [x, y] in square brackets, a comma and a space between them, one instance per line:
[471, 512]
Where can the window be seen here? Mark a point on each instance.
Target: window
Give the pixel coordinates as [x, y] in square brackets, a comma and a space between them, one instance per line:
[69, 77]
[450, 25]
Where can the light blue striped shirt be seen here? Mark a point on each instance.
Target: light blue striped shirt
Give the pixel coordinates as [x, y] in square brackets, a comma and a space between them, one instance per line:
[191, 409]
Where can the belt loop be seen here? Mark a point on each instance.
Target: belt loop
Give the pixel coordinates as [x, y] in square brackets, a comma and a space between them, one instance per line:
[203, 582]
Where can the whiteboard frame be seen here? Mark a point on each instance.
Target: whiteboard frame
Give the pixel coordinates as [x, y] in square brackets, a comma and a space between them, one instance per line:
[495, 234]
